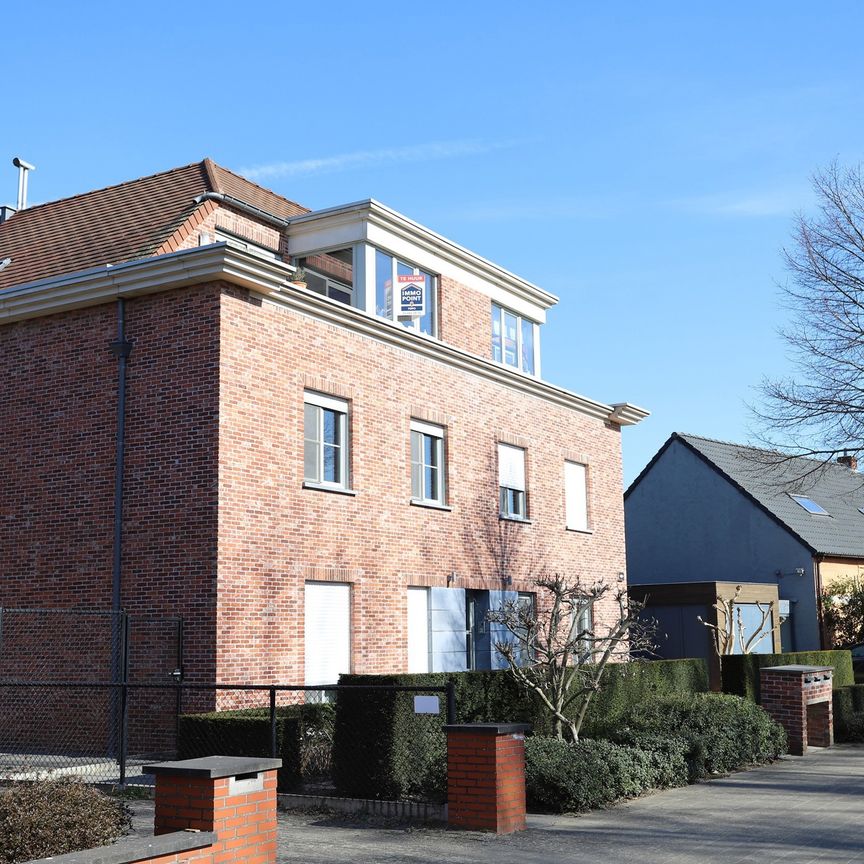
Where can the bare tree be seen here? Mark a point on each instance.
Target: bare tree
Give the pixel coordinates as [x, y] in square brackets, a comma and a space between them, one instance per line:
[729, 630]
[819, 411]
[558, 651]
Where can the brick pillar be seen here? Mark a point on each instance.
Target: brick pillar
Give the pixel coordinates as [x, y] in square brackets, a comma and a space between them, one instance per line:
[799, 698]
[232, 796]
[486, 776]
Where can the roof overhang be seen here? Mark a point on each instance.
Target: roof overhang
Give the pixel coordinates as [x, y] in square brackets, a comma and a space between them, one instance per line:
[371, 222]
[271, 278]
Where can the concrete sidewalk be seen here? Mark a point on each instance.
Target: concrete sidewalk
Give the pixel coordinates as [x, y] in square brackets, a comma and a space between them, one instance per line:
[795, 811]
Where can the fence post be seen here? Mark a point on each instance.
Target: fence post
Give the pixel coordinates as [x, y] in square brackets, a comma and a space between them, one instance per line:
[451, 703]
[273, 722]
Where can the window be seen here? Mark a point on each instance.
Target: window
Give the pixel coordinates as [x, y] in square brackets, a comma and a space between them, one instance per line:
[325, 440]
[427, 462]
[387, 272]
[576, 496]
[331, 274]
[582, 628]
[810, 505]
[419, 632]
[511, 481]
[327, 626]
[513, 342]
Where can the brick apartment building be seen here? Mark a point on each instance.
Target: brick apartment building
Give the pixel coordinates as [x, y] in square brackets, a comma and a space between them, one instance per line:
[314, 482]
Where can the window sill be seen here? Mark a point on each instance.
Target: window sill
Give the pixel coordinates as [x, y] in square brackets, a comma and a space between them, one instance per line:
[431, 505]
[520, 519]
[322, 487]
[580, 530]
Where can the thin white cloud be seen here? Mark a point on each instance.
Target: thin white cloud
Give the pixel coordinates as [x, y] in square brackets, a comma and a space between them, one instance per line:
[777, 202]
[429, 152]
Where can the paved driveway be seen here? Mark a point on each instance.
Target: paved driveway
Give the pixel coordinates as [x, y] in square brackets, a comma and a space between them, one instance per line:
[797, 810]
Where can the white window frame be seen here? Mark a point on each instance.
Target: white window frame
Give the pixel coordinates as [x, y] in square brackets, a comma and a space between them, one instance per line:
[512, 487]
[339, 406]
[435, 432]
[499, 311]
[577, 511]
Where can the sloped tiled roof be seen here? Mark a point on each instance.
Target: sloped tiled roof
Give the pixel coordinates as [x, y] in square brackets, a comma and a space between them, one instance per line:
[771, 483]
[119, 223]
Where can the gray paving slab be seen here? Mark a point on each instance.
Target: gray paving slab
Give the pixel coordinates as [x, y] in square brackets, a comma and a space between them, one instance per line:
[797, 811]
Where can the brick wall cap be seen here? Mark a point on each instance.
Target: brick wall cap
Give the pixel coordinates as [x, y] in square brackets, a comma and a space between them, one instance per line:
[213, 767]
[489, 728]
[129, 851]
[801, 670]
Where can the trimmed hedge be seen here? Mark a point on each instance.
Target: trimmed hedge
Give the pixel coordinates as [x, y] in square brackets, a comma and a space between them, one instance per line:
[566, 777]
[53, 817]
[848, 712]
[246, 732]
[723, 733]
[741, 671]
[380, 750]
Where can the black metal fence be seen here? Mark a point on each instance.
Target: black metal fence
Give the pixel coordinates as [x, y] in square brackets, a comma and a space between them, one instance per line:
[370, 741]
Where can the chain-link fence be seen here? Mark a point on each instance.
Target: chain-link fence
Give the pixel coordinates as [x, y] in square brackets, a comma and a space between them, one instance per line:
[359, 741]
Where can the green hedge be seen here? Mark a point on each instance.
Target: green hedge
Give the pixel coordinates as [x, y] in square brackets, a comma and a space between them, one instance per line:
[849, 713]
[723, 733]
[565, 777]
[741, 671]
[246, 732]
[382, 750]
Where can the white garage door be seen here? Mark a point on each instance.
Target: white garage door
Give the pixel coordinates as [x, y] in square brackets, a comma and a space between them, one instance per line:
[328, 631]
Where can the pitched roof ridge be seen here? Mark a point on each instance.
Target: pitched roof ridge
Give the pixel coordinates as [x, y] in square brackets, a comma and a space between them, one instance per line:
[112, 187]
[253, 183]
[210, 174]
[739, 446]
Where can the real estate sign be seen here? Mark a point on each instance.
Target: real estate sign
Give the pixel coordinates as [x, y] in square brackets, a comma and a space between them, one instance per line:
[412, 295]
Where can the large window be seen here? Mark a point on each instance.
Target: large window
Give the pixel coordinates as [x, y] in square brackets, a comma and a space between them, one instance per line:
[325, 444]
[388, 285]
[511, 482]
[427, 463]
[576, 496]
[331, 274]
[513, 342]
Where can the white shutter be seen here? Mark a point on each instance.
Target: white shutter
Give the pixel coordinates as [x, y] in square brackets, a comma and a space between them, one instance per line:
[576, 496]
[511, 467]
[418, 630]
[328, 631]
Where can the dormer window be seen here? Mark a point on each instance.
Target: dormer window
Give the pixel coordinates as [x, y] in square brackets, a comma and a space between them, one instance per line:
[394, 280]
[331, 274]
[513, 340]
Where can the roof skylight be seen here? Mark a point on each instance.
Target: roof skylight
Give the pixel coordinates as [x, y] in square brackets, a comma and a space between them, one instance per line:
[810, 505]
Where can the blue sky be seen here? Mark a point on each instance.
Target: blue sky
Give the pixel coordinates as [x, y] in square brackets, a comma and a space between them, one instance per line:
[642, 161]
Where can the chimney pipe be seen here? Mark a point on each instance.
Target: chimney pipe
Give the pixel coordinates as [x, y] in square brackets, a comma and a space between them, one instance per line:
[23, 169]
[851, 462]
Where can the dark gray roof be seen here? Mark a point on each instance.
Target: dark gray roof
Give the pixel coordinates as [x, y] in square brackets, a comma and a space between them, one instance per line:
[771, 482]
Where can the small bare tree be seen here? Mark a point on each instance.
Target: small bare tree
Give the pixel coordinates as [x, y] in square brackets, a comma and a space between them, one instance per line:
[729, 629]
[557, 651]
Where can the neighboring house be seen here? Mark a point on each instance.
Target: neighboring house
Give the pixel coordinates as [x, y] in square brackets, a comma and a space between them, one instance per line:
[710, 511]
[319, 479]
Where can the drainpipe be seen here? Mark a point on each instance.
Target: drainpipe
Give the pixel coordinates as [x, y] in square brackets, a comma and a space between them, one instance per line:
[121, 349]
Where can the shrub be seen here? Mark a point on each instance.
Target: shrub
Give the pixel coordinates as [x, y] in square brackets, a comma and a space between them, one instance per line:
[741, 671]
[723, 733]
[52, 817]
[303, 735]
[848, 710]
[561, 776]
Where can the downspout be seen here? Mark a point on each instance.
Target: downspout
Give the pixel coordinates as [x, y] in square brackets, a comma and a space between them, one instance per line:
[121, 349]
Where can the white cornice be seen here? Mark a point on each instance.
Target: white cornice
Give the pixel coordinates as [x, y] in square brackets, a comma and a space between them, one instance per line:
[271, 278]
[376, 213]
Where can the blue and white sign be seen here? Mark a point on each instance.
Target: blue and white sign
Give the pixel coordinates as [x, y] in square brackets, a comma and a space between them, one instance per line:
[412, 295]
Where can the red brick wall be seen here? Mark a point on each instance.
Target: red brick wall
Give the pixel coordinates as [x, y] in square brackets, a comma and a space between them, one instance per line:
[464, 318]
[274, 535]
[57, 424]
